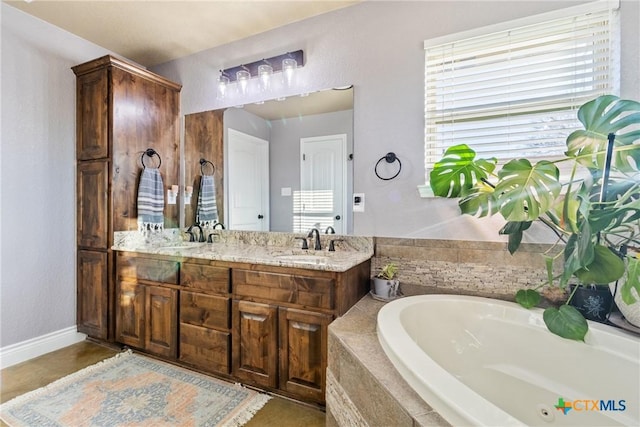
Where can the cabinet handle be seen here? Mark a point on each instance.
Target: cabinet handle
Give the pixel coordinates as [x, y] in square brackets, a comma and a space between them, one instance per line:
[256, 317]
[305, 326]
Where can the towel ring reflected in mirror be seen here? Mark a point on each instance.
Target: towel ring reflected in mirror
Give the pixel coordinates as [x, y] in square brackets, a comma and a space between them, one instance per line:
[203, 164]
[150, 152]
[389, 158]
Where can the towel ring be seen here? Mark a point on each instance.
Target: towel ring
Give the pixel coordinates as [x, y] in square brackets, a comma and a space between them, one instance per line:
[203, 163]
[150, 152]
[389, 158]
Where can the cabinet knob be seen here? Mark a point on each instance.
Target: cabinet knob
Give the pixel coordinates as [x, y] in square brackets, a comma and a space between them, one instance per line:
[260, 216]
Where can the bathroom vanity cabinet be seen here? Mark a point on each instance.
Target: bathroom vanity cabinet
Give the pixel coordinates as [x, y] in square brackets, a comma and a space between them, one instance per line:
[257, 324]
[280, 328]
[205, 308]
[147, 304]
[121, 110]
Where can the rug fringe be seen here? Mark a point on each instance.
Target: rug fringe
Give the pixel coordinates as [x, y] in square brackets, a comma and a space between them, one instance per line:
[253, 406]
[63, 381]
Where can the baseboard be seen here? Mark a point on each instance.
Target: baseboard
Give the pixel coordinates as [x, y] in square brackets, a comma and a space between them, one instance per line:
[34, 347]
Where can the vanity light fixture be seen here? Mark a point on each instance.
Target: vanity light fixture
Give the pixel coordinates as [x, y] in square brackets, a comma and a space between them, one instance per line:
[264, 69]
[223, 84]
[289, 65]
[243, 76]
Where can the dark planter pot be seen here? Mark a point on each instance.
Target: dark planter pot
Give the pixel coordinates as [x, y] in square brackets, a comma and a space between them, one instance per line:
[594, 302]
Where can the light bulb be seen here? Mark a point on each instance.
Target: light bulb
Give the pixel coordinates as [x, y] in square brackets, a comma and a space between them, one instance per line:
[243, 77]
[223, 84]
[264, 73]
[289, 66]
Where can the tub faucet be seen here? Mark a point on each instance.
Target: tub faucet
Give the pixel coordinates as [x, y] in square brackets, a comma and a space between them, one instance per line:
[317, 246]
[192, 233]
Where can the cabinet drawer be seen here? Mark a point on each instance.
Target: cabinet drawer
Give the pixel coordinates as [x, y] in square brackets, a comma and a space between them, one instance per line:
[205, 277]
[204, 348]
[154, 270]
[204, 310]
[305, 291]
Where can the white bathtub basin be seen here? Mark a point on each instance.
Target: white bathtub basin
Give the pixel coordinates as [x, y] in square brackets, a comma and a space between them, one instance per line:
[486, 362]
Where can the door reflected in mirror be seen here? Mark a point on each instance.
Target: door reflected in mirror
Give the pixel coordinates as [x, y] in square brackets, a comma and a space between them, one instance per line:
[288, 164]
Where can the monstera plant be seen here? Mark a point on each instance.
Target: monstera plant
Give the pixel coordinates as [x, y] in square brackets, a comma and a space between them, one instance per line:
[595, 212]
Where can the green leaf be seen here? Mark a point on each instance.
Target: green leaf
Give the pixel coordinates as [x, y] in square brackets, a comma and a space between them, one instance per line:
[578, 252]
[525, 192]
[515, 230]
[527, 298]
[605, 268]
[548, 261]
[478, 201]
[458, 170]
[600, 117]
[632, 282]
[566, 322]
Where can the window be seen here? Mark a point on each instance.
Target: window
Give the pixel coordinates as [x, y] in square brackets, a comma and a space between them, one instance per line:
[514, 89]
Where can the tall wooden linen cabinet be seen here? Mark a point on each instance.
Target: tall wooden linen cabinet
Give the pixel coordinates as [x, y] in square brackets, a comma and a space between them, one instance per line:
[121, 111]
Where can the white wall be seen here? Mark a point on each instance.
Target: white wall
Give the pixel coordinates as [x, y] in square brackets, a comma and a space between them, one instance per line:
[38, 256]
[378, 47]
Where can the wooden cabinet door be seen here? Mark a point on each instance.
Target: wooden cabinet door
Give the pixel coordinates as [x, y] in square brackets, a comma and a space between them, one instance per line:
[145, 114]
[161, 321]
[92, 294]
[303, 352]
[255, 343]
[130, 302]
[204, 348]
[92, 112]
[93, 195]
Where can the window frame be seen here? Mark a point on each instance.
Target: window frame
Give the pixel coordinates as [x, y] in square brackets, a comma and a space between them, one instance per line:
[431, 148]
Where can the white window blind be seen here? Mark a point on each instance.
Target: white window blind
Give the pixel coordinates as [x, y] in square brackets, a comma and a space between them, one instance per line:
[515, 92]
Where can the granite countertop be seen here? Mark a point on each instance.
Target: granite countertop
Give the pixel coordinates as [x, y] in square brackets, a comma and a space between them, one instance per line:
[277, 249]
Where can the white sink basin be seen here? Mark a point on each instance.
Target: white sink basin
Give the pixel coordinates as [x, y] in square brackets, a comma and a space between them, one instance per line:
[183, 245]
[305, 259]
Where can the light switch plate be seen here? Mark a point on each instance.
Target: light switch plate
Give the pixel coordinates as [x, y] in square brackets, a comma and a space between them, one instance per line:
[358, 202]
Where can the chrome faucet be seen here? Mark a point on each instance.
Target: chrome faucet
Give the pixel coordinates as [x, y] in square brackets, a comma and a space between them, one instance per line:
[317, 245]
[192, 233]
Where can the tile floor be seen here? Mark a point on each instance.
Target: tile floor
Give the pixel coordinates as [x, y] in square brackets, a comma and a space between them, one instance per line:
[40, 371]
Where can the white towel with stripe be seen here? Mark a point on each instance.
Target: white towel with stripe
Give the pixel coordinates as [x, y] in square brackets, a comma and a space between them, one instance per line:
[150, 200]
[207, 210]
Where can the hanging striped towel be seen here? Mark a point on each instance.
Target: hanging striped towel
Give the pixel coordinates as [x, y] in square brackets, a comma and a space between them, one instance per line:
[207, 210]
[150, 200]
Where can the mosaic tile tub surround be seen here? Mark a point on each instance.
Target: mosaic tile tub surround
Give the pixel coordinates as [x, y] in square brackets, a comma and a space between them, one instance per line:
[458, 266]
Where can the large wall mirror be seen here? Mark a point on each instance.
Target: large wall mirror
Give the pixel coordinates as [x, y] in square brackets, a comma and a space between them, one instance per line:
[282, 165]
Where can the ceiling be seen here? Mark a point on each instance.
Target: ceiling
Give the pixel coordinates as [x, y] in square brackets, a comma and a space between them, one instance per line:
[153, 32]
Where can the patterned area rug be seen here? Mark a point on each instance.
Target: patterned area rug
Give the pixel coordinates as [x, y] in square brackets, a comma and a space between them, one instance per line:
[133, 390]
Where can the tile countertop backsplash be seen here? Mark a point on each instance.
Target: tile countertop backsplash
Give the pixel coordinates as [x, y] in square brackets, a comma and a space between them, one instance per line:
[268, 248]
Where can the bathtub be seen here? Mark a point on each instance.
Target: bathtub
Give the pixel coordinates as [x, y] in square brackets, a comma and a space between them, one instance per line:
[486, 362]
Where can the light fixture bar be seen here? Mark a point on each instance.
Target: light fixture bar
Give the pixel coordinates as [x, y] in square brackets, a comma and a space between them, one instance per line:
[274, 61]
